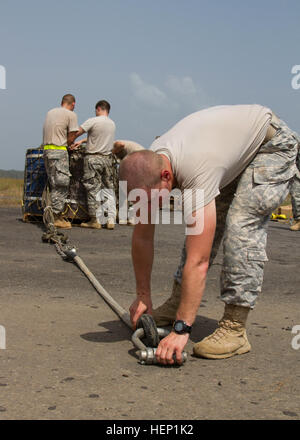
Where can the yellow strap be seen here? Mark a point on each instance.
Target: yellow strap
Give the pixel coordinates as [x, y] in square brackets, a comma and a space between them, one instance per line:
[54, 147]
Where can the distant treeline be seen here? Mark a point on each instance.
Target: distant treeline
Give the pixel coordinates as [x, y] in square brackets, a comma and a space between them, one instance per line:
[13, 174]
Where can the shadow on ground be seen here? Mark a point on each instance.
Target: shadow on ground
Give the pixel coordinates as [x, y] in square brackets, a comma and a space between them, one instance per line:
[116, 331]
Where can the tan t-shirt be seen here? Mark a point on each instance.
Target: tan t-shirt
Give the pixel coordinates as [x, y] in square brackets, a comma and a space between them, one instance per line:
[58, 123]
[101, 134]
[210, 148]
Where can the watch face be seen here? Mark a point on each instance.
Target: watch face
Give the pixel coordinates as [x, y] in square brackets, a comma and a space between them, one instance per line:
[179, 326]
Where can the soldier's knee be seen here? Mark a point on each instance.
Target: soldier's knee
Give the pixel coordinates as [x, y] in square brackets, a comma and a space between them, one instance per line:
[62, 180]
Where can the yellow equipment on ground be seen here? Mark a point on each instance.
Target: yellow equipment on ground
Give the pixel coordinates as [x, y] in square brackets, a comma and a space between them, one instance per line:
[276, 217]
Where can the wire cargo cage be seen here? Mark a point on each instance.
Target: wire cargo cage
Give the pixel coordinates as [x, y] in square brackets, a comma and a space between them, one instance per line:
[35, 181]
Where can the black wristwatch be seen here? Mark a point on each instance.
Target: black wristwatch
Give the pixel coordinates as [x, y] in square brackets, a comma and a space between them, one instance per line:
[181, 327]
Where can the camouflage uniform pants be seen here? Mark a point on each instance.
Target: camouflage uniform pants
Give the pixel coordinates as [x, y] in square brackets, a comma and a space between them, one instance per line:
[243, 211]
[57, 168]
[98, 174]
[295, 191]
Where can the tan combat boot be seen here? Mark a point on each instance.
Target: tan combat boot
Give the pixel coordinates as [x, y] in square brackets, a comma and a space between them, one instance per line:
[60, 222]
[110, 224]
[166, 313]
[93, 223]
[295, 226]
[229, 338]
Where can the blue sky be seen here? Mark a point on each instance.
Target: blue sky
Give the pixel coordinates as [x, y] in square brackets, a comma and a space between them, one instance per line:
[155, 62]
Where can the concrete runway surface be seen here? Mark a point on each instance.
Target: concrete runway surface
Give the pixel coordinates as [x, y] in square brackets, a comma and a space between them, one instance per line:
[68, 357]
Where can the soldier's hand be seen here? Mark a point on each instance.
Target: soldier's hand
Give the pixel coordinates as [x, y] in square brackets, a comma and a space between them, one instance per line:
[170, 345]
[141, 305]
[76, 145]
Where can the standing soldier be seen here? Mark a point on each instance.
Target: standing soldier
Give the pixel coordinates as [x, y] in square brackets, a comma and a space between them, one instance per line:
[59, 132]
[99, 172]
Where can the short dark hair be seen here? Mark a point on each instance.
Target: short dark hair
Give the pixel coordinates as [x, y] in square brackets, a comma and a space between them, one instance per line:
[68, 99]
[104, 105]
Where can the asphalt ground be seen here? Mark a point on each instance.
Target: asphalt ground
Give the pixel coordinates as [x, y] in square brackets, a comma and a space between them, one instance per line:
[67, 356]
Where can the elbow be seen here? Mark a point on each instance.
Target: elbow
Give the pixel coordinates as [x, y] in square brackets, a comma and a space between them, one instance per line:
[71, 137]
[197, 266]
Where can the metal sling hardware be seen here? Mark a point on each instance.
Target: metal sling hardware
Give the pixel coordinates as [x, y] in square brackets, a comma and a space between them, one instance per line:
[147, 354]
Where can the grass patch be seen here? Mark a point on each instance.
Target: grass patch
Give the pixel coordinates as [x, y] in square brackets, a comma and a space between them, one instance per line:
[11, 191]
